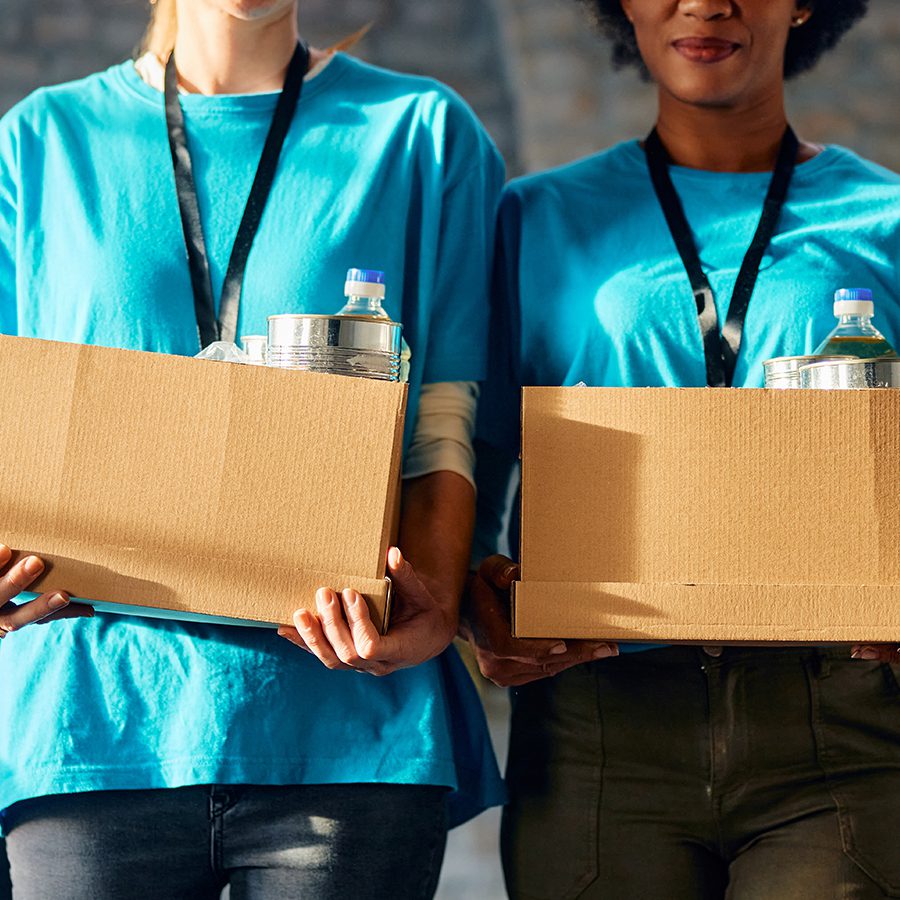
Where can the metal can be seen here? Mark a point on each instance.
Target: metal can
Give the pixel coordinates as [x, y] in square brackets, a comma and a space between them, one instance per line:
[856, 374]
[784, 371]
[360, 346]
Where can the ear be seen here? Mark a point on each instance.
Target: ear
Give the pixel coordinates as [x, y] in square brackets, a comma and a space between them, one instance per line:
[626, 8]
[801, 14]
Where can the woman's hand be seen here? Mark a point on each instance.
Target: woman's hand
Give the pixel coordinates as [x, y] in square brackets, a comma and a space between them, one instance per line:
[889, 653]
[343, 635]
[509, 661]
[46, 608]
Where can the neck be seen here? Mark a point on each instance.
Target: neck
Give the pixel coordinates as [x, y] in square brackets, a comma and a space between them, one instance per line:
[720, 139]
[218, 54]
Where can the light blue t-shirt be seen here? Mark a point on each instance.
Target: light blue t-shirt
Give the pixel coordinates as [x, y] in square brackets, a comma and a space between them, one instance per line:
[589, 287]
[379, 170]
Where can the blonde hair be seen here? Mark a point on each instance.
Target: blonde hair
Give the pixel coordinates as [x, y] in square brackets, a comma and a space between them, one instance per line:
[159, 38]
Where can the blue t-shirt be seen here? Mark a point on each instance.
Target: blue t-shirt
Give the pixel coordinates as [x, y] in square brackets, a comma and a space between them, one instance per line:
[589, 287]
[379, 170]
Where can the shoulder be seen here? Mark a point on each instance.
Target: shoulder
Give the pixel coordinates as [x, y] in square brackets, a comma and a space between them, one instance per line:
[73, 99]
[374, 84]
[594, 179]
[839, 166]
[423, 104]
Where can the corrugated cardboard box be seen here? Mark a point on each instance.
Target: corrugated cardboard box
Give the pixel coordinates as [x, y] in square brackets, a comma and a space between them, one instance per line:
[710, 515]
[192, 487]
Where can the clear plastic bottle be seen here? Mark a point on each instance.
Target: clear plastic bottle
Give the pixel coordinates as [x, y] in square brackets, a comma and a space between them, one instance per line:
[364, 290]
[855, 335]
[255, 347]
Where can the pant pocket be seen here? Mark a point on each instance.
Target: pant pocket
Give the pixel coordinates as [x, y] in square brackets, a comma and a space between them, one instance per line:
[549, 836]
[856, 706]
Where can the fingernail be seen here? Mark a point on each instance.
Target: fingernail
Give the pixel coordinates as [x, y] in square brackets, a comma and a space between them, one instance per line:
[57, 601]
[605, 652]
[5, 552]
[323, 597]
[395, 557]
[509, 572]
[856, 655]
[32, 565]
[301, 619]
[556, 649]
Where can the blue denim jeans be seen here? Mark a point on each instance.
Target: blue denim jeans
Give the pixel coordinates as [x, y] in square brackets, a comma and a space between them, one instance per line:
[316, 842]
[684, 774]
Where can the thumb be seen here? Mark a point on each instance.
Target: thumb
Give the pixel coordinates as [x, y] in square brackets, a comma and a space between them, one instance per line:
[401, 570]
[499, 572]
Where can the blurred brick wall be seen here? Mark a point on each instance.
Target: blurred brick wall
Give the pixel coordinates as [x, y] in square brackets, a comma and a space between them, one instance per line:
[571, 103]
[47, 41]
[567, 102]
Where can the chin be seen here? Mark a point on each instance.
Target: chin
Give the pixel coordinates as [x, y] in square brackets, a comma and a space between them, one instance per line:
[252, 10]
[708, 100]
[706, 91]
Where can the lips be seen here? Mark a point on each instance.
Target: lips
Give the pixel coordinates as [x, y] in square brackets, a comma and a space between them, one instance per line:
[705, 49]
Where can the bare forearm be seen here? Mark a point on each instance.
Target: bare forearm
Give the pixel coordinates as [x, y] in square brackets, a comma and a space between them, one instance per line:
[438, 513]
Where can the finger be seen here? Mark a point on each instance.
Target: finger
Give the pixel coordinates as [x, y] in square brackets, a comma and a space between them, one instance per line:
[72, 611]
[494, 623]
[310, 630]
[19, 577]
[498, 632]
[5, 555]
[506, 673]
[889, 653]
[292, 635]
[499, 571]
[13, 617]
[337, 631]
[366, 639]
[403, 573]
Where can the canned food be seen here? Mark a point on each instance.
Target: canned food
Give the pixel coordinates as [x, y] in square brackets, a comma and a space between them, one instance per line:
[856, 374]
[359, 346]
[784, 371]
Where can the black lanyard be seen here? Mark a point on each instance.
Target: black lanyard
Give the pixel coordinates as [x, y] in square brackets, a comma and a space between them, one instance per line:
[721, 350]
[225, 328]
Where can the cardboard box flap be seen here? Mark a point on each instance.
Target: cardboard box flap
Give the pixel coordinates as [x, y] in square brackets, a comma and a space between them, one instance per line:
[131, 455]
[259, 591]
[791, 613]
[703, 486]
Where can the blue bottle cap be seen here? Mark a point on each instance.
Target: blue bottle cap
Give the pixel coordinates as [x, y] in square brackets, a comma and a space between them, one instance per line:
[852, 294]
[366, 276]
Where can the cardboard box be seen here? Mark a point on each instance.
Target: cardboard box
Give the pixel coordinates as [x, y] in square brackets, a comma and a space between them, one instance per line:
[710, 516]
[182, 487]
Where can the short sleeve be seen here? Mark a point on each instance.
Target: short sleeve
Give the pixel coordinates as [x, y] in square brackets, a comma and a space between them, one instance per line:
[457, 333]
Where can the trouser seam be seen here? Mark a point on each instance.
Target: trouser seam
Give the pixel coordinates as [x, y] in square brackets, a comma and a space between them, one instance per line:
[715, 801]
[216, 812]
[428, 886]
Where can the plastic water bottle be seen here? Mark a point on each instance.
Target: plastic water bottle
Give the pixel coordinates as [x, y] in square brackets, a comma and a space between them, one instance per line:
[365, 290]
[855, 335]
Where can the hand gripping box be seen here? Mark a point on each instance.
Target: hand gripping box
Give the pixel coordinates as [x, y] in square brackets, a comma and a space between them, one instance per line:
[710, 515]
[163, 485]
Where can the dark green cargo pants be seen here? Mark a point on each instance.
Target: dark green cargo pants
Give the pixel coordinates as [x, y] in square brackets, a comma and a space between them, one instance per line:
[675, 774]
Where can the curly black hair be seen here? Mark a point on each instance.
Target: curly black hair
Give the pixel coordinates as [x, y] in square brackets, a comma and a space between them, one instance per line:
[831, 19]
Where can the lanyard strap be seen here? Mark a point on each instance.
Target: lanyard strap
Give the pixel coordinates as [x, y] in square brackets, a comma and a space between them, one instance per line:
[721, 350]
[225, 328]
